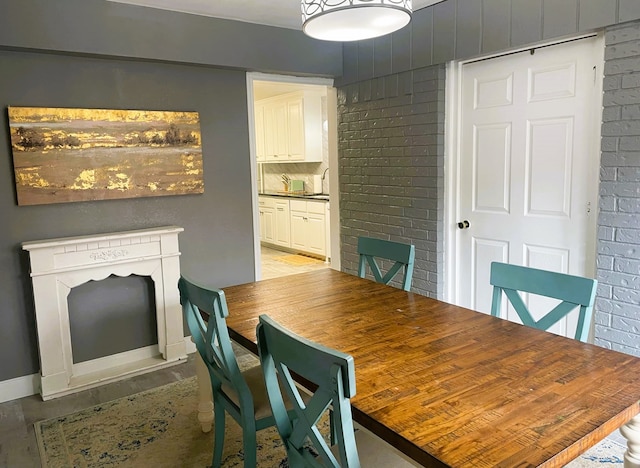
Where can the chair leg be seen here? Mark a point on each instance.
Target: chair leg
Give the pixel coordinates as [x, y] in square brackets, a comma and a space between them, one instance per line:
[249, 445]
[332, 428]
[205, 401]
[219, 429]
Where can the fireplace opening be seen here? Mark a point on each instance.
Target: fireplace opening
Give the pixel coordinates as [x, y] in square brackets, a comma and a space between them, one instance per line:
[111, 316]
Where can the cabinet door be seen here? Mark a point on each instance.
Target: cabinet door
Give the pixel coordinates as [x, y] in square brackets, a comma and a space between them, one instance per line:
[259, 127]
[299, 230]
[268, 123]
[282, 235]
[281, 131]
[268, 215]
[295, 118]
[316, 233]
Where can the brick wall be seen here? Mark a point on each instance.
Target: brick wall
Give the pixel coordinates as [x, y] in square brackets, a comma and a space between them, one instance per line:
[391, 166]
[391, 134]
[617, 316]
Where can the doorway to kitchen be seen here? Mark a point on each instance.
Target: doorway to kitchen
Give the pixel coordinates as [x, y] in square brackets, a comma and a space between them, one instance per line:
[293, 141]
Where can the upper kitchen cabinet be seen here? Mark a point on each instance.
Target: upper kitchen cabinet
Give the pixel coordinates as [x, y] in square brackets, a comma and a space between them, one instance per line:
[259, 124]
[289, 127]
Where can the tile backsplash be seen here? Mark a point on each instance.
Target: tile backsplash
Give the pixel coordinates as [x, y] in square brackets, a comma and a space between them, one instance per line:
[272, 176]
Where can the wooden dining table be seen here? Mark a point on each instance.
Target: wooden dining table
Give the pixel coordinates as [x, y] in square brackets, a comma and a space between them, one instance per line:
[448, 386]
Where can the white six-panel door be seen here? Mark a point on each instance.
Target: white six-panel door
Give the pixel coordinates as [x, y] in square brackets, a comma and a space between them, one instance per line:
[528, 166]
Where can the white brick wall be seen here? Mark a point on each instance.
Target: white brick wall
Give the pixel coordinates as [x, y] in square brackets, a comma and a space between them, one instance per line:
[617, 312]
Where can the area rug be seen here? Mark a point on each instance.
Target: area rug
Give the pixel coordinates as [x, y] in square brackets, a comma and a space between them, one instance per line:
[159, 428]
[608, 453]
[298, 260]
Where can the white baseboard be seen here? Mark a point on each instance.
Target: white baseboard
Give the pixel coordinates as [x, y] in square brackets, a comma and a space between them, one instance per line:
[28, 385]
[19, 387]
[190, 345]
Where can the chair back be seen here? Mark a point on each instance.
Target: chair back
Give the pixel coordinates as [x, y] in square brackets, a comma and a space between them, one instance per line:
[402, 254]
[283, 353]
[573, 292]
[212, 341]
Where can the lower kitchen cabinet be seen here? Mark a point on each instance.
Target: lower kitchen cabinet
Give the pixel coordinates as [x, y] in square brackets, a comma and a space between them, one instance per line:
[267, 213]
[294, 223]
[282, 227]
[308, 226]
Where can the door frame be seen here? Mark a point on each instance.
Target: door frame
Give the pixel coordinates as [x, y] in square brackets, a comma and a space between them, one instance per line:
[453, 114]
[334, 218]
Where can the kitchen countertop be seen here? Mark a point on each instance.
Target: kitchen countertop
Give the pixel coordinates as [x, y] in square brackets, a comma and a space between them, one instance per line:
[321, 197]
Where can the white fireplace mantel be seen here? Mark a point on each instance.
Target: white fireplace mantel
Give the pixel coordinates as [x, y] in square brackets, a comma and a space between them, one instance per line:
[58, 265]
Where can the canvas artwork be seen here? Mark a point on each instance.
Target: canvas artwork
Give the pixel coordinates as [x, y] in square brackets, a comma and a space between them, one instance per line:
[70, 155]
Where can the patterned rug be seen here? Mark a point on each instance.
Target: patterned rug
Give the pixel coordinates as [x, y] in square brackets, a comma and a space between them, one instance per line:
[608, 453]
[159, 428]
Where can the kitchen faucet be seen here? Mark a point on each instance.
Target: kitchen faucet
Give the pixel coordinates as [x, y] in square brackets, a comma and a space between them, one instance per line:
[324, 173]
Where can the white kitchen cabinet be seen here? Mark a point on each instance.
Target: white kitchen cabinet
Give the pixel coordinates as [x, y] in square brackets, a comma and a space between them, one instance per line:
[296, 132]
[291, 127]
[267, 211]
[296, 224]
[260, 134]
[308, 226]
[282, 223]
[274, 221]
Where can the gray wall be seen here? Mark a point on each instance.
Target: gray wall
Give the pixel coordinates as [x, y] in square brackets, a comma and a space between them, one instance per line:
[115, 29]
[99, 54]
[391, 144]
[460, 29]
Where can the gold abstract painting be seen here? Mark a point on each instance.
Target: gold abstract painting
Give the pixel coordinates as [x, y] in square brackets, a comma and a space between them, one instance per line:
[69, 155]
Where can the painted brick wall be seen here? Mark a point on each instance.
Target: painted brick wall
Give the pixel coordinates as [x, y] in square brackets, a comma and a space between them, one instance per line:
[391, 145]
[391, 178]
[617, 315]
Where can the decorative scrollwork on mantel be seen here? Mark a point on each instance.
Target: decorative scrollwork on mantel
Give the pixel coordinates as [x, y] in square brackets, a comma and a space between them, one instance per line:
[105, 255]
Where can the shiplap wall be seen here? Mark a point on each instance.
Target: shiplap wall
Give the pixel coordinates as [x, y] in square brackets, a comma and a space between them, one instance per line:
[460, 29]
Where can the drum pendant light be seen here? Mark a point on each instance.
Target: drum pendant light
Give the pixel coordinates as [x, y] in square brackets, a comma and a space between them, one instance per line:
[353, 20]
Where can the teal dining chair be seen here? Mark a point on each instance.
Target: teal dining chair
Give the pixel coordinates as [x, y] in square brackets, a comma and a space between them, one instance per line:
[403, 255]
[332, 373]
[573, 292]
[241, 394]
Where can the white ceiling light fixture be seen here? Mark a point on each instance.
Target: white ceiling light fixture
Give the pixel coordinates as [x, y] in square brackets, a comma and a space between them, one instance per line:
[353, 20]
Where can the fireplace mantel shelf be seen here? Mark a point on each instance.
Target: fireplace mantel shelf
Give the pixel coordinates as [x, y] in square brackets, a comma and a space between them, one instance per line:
[63, 241]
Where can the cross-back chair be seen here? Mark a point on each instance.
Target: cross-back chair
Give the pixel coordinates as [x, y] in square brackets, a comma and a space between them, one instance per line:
[403, 255]
[283, 353]
[573, 292]
[241, 394]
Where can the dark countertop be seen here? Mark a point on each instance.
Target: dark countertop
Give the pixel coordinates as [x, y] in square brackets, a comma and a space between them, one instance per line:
[308, 196]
